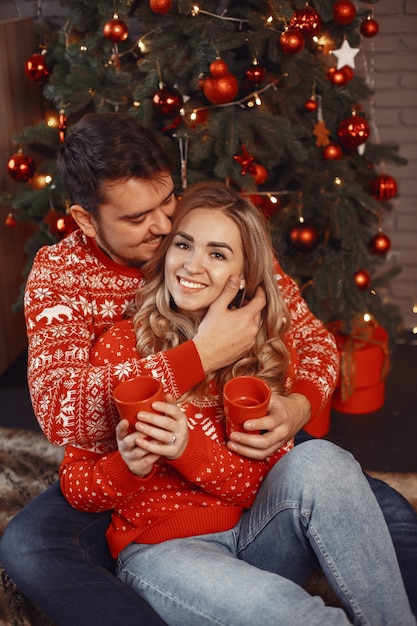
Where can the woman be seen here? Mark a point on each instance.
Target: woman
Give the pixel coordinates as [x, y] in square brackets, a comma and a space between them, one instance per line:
[195, 532]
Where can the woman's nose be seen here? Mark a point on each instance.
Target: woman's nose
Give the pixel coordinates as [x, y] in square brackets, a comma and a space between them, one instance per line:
[193, 263]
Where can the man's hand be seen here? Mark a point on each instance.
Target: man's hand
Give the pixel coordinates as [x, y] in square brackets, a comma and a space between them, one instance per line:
[224, 334]
[287, 415]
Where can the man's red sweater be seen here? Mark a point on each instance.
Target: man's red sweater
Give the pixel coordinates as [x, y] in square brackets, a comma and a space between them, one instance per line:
[74, 293]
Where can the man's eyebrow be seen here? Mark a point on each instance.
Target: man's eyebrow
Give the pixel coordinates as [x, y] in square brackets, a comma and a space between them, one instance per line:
[210, 244]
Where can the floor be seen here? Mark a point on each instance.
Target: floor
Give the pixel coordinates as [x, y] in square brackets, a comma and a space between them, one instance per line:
[385, 440]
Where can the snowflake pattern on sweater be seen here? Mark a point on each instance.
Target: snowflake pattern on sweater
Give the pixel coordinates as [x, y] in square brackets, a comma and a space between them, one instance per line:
[205, 490]
[74, 293]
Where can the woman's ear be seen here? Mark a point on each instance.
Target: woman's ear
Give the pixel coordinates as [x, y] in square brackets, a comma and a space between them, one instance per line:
[84, 220]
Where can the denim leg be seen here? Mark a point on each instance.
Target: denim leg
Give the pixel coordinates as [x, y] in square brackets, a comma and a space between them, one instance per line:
[401, 520]
[198, 581]
[58, 557]
[316, 499]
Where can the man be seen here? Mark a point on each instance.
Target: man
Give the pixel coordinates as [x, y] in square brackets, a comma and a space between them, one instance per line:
[119, 184]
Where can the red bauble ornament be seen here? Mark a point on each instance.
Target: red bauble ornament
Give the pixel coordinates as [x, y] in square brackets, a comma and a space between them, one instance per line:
[332, 152]
[21, 167]
[344, 12]
[362, 279]
[65, 225]
[264, 203]
[116, 30]
[369, 28]
[353, 131]
[255, 74]
[337, 77]
[167, 101]
[199, 116]
[36, 68]
[218, 68]
[383, 187]
[160, 6]
[311, 105]
[10, 221]
[307, 20]
[291, 41]
[62, 125]
[379, 243]
[304, 237]
[348, 72]
[220, 90]
[259, 173]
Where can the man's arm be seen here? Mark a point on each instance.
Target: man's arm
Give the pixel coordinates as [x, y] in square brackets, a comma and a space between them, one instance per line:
[70, 300]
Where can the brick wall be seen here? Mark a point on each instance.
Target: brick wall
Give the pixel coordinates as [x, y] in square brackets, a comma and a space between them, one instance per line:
[392, 62]
[394, 53]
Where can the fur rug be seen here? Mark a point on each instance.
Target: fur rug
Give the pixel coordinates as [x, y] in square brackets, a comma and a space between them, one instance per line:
[29, 463]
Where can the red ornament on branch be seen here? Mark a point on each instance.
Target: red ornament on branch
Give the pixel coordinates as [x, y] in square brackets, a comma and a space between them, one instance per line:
[116, 30]
[379, 243]
[10, 221]
[218, 68]
[255, 74]
[21, 167]
[369, 27]
[344, 12]
[291, 41]
[160, 6]
[259, 173]
[36, 68]
[307, 20]
[383, 187]
[65, 225]
[332, 152]
[304, 238]
[353, 131]
[339, 76]
[362, 279]
[62, 125]
[167, 101]
[221, 87]
[311, 104]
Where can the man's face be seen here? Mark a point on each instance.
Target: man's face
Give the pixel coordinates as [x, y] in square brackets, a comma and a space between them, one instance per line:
[135, 218]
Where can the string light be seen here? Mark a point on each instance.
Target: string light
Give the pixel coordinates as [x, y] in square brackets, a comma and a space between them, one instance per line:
[195, 10]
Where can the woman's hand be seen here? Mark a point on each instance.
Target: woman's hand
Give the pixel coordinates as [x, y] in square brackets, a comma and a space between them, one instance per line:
[164, 434]
[287, 415]
[139, 461]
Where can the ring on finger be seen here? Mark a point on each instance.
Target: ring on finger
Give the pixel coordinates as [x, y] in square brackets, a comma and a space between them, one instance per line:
[173, 440]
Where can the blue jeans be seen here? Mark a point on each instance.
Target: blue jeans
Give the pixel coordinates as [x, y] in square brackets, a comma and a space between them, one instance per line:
[58, 558]
[315, 506]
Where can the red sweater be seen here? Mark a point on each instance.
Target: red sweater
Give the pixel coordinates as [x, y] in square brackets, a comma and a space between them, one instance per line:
[205, 490]
[74, 293]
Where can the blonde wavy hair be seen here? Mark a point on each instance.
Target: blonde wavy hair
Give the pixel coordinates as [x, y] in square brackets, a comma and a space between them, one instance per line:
[159, 325]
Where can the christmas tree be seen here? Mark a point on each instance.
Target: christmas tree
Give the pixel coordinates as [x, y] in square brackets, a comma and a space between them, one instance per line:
[263, 94]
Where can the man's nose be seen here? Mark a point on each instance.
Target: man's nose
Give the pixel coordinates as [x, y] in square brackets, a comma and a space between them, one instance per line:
[161, 223]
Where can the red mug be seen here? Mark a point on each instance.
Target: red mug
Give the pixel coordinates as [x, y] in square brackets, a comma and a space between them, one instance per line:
[137, 394]
[244, 398]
